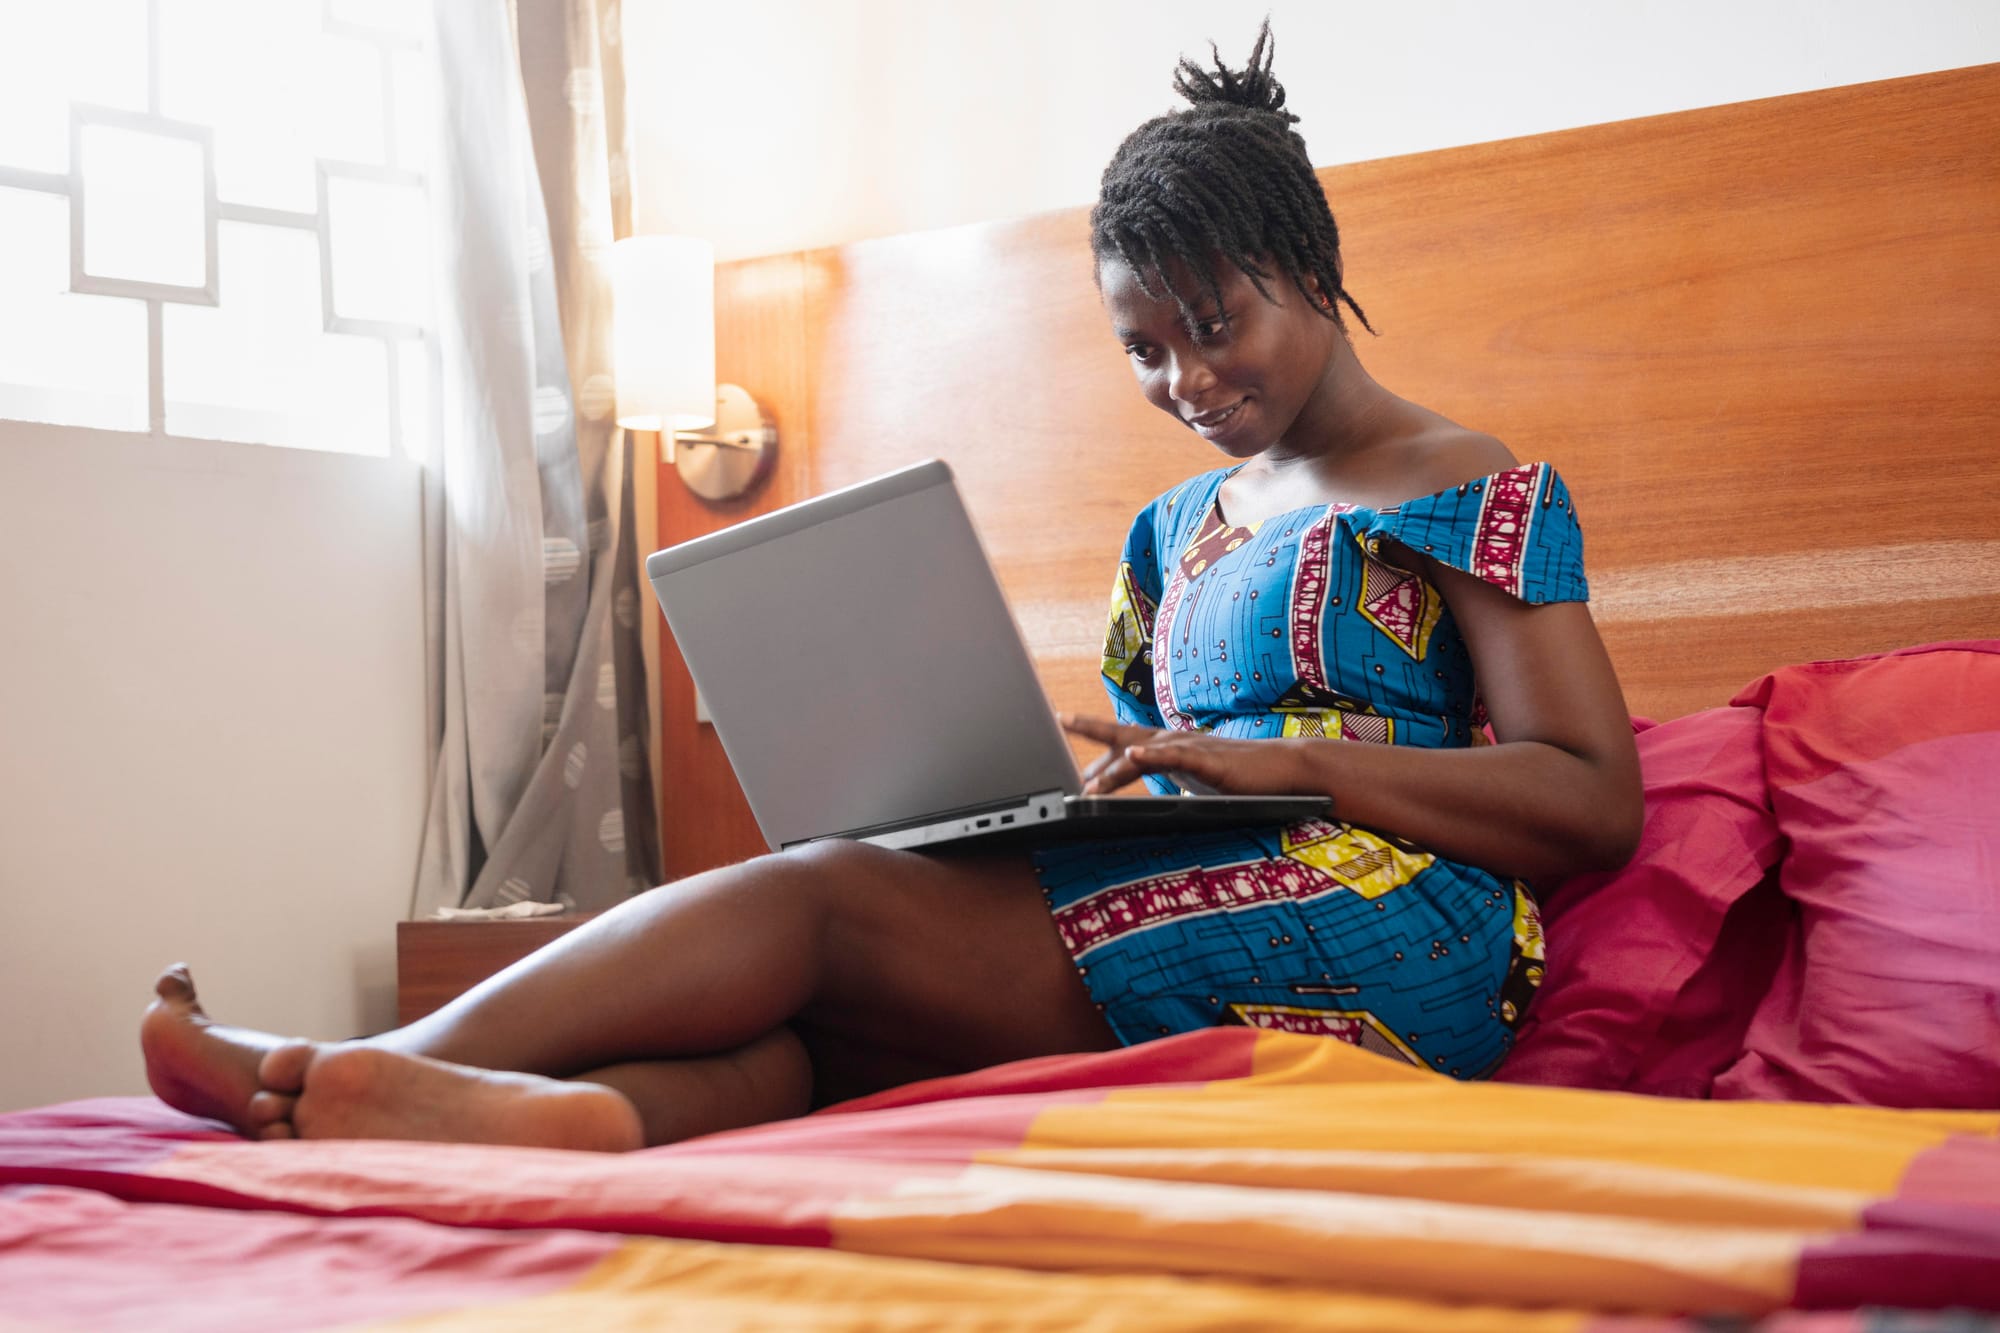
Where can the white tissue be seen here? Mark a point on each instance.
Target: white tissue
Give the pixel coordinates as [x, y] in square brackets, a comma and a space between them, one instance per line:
[511, 912]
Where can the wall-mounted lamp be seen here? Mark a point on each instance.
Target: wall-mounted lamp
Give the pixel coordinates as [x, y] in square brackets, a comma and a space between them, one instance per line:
[663, 357]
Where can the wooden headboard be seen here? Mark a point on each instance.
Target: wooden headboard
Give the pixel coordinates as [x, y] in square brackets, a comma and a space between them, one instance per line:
[1762, 342]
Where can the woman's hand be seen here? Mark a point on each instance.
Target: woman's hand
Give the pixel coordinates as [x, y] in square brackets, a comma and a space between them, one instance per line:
[1195, 760]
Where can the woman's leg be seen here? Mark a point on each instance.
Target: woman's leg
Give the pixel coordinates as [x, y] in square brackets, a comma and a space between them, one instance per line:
[888, 961]
[770, 1079]
[354, 1090]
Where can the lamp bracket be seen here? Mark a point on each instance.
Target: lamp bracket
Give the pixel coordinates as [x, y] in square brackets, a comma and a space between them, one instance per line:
[749, 439]
[730, 459]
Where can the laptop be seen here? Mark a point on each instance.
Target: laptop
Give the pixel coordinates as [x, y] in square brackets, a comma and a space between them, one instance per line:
[867, 681]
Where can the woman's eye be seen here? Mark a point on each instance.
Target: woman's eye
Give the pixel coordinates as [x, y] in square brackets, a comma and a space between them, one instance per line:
[1142, 354]
[1209, 329]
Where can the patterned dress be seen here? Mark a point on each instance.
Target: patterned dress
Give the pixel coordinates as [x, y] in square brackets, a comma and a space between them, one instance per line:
[1302, 625]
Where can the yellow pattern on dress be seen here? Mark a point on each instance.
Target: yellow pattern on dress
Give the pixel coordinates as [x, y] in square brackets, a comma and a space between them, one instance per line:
[1359, 723]
[1316, 722]
[1126, 635]
[1365, 862]
[1373, 1034]
[1527, 925]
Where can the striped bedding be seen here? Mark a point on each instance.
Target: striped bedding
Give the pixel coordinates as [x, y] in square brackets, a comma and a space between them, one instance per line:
[1226, 1179]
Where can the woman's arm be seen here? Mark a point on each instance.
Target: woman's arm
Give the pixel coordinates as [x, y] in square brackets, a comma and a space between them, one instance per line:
[1559, 794]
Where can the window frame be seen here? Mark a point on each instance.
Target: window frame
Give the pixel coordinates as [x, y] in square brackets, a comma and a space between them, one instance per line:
[394, 335]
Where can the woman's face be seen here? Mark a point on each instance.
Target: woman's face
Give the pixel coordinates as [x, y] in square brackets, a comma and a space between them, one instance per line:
[1242, 375]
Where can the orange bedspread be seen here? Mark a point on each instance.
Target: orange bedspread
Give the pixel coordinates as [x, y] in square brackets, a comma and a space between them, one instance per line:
[1226, 1179]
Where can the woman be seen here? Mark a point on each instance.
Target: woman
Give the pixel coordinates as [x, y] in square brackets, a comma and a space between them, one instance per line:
[1312, 618]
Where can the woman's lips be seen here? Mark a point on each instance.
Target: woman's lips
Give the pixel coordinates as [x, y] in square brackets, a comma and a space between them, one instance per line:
[1212, 424]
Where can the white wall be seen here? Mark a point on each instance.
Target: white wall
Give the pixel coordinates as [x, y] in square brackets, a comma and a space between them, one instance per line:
[774, 125]
[211, 741]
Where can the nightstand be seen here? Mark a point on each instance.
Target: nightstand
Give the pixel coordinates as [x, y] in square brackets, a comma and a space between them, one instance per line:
[437, 961]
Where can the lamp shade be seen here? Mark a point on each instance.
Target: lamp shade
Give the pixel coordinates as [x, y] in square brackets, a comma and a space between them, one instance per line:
[663, 332]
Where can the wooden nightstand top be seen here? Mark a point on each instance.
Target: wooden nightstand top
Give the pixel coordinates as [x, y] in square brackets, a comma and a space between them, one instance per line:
[437, 961]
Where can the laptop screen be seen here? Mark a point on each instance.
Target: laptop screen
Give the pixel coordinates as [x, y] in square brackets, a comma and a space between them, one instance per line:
[859, 660]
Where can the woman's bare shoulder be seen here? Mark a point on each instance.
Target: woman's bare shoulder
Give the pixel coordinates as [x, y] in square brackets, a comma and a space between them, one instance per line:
[1449, 455]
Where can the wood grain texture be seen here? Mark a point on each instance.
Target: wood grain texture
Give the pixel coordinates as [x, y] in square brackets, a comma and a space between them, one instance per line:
[760, 334]
[1761, 341]
[436, 961]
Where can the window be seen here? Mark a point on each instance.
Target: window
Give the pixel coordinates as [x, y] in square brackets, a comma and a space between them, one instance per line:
[213, 219]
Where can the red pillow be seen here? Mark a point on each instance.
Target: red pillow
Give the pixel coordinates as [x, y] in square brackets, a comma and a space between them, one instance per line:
[1885, 778]
[1623, 946]
[1702, 1032]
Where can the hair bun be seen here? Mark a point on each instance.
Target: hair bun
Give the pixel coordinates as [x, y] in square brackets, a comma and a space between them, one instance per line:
[1252, 87]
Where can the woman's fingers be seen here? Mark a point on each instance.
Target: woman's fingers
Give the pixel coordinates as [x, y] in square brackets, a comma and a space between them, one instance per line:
[1196, 760]
[1179, 758]
[1100, 729]
[1110, 770]
[1164, 749]
[1113, 733]
[1235, 767]
[1101, 775]
[1133, 752]
[1118, 773]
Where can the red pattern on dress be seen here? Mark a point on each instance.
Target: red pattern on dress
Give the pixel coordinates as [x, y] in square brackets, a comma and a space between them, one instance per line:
[1212, 540]
[1163, 670]
[1196, 891]
[1310, 582]
[1321, 1023]
[1398, 608]
[1500, 539]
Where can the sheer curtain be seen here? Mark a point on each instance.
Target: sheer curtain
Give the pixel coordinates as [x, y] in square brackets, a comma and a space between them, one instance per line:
[541, 789]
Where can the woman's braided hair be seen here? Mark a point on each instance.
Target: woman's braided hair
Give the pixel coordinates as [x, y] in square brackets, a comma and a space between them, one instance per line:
[1226, 177]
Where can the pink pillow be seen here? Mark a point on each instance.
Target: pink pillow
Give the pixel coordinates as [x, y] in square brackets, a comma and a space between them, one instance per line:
[1885, 778]
[1702, 1032]
[1623, 947]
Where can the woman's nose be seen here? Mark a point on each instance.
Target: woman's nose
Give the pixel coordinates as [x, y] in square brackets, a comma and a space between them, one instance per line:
[1189, 378]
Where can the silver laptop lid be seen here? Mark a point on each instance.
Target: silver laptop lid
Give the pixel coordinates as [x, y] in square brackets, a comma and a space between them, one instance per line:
[859, 661]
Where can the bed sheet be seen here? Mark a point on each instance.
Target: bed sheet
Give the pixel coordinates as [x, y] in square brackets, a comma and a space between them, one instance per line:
[1225, 1179]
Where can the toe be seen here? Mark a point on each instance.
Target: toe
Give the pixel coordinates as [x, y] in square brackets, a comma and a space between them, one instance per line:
[267, 1108]
[176, 985]
[282, 1130]
[283, 1068]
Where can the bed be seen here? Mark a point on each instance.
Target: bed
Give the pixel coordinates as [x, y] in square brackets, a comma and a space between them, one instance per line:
[1229, 1179]
[1761, 1086]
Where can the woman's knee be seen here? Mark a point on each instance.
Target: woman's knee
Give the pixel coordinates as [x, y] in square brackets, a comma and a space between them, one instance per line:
[783, 895]
[841, 858]
[794, 870]
[802, 891]
[832, 874]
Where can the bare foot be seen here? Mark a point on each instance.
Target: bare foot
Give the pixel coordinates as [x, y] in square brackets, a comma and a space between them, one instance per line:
[201, 1067]
[362, 1092]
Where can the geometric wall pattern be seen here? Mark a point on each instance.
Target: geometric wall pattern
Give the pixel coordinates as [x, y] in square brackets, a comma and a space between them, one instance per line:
[217, 221]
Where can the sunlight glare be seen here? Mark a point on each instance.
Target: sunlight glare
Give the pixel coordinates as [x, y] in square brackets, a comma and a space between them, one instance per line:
[72, 360]
[381, 268]
[237, 65]
[144, 215]
[87, 51]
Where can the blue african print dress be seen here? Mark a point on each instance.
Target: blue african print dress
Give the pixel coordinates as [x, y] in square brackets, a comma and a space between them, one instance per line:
[1303, 625]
